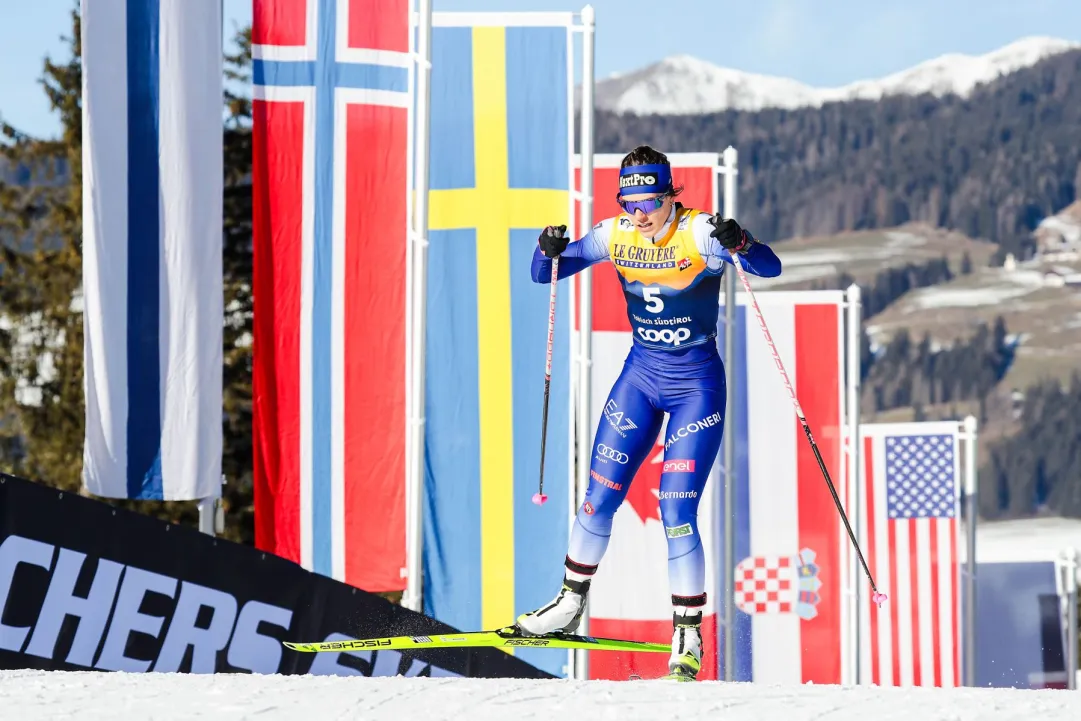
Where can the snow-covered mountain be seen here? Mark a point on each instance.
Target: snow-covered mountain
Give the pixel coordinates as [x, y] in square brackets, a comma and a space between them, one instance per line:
[682, 84]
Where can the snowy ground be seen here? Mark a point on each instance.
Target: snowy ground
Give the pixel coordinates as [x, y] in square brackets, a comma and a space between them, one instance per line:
[27, 695]
[1025, 539]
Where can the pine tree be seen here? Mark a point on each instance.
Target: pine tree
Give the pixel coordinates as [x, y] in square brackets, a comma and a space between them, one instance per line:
[41, 324]
[237, 269]
[41, 334]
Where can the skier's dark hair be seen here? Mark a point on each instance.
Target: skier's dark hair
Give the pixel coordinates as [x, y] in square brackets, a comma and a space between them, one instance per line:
[646, 155]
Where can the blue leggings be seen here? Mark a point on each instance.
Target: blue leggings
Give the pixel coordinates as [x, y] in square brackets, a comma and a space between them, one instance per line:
[628, 428]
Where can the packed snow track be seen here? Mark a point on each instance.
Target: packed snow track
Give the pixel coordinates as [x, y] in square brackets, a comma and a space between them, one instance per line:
[27, 695]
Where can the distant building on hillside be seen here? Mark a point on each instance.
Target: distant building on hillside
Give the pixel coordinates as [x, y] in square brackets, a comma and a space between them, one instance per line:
[1058, 237]
[1059, 276]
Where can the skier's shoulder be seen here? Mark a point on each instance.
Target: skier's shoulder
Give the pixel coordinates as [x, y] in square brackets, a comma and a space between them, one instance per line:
[604, 225]
[690, 217]
[696, 221]
[621, 222]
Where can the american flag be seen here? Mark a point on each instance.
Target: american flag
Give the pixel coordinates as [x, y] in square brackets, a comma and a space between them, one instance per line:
[909, 511]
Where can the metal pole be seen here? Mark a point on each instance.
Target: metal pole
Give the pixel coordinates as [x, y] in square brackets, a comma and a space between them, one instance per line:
[1071, 619]
[412, 599]
[208, 521]
[731, 186]
[971, 487]
[852, 389]
[585, 318]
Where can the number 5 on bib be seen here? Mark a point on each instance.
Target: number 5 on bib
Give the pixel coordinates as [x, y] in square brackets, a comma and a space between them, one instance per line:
[654, 304]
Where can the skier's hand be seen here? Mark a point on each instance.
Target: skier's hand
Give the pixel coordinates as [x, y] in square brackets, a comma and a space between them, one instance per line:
[553, 240]
[728, 233]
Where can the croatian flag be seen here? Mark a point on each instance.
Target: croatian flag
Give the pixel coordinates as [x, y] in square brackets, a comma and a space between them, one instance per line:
[910, 500]
[152, 248]
[789, 541]
[331, 101]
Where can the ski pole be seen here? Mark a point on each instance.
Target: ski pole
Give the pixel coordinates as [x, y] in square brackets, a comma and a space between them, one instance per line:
[876, 597]
[539, 498]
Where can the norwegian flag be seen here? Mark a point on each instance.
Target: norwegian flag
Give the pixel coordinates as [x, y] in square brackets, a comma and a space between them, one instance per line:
[331, 117]
[910, 506]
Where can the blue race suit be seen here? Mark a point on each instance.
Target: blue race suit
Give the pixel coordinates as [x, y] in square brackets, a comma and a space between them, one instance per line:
[672, 285]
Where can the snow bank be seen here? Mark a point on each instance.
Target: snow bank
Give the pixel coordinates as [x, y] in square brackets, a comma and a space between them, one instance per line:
[29, 695]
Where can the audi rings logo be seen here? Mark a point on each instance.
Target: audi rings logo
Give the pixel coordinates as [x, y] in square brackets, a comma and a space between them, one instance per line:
[612, 454]
[666, 335]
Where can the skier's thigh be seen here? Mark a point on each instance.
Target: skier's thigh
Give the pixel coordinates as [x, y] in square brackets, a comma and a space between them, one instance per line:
[626, 432]
[692, 440]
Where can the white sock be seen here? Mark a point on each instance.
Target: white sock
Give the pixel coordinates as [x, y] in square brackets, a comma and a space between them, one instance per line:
[685, 611]
[575, 576]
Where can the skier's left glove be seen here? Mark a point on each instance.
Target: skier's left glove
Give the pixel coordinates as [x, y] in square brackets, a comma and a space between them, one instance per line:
[729, 234]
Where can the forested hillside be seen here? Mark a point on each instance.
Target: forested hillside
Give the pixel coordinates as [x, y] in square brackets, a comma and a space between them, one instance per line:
[990, 166]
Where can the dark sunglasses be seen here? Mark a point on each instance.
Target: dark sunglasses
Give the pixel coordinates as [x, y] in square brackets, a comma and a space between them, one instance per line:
[646, 206]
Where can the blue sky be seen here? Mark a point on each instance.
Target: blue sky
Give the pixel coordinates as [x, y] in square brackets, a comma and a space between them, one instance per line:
[818, 42]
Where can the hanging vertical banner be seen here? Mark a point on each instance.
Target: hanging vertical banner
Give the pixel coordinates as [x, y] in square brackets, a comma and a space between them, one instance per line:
[501, 136]
[910, 506]
[629, 597]
[788, 537]
[152, 248]
[331, 116]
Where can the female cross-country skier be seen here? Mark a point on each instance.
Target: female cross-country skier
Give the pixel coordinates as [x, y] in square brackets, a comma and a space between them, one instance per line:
[670, 261]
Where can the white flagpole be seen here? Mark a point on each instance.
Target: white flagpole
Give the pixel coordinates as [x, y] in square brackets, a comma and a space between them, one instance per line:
[415, 486]
[585, 320]
[731, 187]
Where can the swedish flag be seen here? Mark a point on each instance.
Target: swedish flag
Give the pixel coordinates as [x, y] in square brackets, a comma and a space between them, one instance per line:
[501, 128]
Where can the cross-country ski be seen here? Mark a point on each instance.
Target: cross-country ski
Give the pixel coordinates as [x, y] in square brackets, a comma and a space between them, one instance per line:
[507, 637]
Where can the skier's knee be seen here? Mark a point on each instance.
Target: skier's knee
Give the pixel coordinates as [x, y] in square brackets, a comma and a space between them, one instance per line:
[592, 522]
[679, 513]
[684, 545]
[681, 533]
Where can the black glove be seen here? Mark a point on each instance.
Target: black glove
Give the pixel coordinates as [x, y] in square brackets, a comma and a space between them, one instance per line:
[729, 234]
[553, 240]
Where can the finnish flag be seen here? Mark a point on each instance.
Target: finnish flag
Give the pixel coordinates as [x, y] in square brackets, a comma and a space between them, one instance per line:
[152, 247]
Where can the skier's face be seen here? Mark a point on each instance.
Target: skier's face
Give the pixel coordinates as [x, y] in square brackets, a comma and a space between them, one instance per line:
[649, 223]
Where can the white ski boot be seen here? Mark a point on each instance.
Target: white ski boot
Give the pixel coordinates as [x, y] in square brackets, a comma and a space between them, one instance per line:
[686, 658]
[563, 613]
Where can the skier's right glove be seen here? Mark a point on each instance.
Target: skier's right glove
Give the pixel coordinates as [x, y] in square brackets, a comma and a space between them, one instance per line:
[553, 240]
[729, 234]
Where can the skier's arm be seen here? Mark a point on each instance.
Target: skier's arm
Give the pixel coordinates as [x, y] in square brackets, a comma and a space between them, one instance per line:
[755, 257]
[588, 250]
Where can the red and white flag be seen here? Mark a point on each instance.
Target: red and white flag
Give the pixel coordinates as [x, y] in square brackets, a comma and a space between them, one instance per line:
[910, 506]
[790, 621]
[330, 124]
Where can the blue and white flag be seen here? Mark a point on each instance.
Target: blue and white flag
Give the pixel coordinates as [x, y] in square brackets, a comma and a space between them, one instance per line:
[152, 247]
